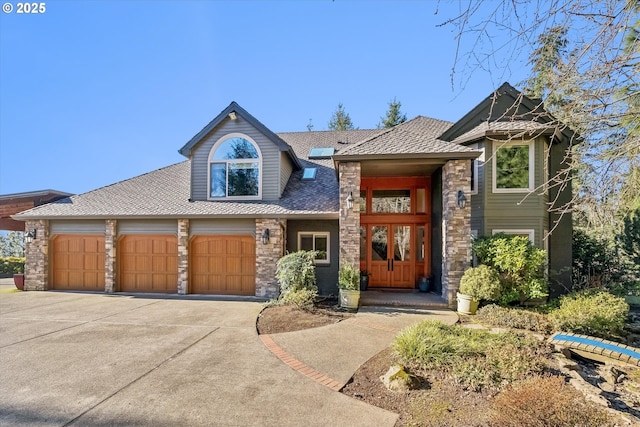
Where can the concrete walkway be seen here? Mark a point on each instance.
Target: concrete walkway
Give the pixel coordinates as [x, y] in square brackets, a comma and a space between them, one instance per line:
[95, 359]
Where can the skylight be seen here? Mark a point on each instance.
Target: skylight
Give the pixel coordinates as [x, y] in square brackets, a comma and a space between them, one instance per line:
[321, 152]
[309, 174]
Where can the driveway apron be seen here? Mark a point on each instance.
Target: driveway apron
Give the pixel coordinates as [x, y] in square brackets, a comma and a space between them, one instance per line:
[105, 360]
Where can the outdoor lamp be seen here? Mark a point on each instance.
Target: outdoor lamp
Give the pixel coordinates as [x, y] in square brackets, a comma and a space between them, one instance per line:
[265, 236]
[349, 200]
[30, 236]
[462, 199]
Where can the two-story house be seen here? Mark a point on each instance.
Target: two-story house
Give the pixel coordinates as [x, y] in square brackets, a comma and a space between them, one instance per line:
[402, 202]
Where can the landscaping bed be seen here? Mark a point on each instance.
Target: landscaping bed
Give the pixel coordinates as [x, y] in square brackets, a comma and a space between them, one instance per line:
[275, 319]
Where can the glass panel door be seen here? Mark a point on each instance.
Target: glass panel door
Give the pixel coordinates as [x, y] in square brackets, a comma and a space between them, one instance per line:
[402, 263]
[380, 262]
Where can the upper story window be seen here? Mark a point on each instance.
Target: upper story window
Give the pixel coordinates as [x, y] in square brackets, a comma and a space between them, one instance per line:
[513, 167]
[235, 168]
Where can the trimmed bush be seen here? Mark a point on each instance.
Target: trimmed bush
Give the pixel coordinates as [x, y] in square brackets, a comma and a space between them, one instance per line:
[475, 358]
[302, 298]
[495, 315]
[591, 312]
[481, 283]
[12, 265]
[296, 271]
[545, 401]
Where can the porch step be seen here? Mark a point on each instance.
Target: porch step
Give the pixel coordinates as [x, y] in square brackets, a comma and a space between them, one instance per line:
[402, 299]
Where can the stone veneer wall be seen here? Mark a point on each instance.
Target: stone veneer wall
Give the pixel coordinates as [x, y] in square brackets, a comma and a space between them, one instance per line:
[349, 174]
[456, 227]
[183, 256]
[110, 248]
[268, 255]
[36, 268]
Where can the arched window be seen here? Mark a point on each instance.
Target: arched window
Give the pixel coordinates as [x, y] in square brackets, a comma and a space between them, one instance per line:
[234, 168]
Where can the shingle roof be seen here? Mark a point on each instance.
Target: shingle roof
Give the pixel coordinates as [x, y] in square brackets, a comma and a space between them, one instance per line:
[417, 136]
[165, 193]
[509, 128]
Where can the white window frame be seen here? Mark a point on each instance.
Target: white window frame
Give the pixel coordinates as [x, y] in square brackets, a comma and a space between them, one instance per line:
[210, 161]
[515, 231]
[315, 234]
[498, 145]
[475, 169]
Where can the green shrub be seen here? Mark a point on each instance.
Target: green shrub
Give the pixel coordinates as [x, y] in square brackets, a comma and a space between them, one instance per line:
[519, 264]
[475, 358]
[302, 298]
[349, 277]
[495, 315]
[297, 271]
[591, 312]
[545, 401]
[12, 265]
[481, 283]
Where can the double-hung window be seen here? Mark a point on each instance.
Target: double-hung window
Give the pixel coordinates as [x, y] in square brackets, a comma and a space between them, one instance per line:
[235, 169]
[315, 241]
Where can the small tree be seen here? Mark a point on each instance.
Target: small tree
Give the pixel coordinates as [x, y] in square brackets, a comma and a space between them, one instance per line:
[393, 116]
[340, 119]
[519, 264]
[12, 244]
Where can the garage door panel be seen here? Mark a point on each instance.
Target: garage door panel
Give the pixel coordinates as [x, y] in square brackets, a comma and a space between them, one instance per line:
[77, 262]
[222, 264]
[148, 263]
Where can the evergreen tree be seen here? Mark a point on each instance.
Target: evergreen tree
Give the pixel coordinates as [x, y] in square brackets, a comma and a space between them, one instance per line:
[340, 119]
[393, 116]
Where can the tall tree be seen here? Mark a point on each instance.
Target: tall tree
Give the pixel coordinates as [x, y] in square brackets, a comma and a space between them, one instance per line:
[340, 119]
[12, 244]
[393, 116]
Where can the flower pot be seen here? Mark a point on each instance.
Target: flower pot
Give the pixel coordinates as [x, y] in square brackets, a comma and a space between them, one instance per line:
[349, 299]
[466, 304]
[364, 282]
[18, 280]
[423, 284]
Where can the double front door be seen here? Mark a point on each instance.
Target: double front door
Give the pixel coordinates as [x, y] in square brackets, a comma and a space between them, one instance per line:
[391, 261]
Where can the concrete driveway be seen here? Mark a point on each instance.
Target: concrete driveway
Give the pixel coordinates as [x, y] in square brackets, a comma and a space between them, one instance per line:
[104, 360]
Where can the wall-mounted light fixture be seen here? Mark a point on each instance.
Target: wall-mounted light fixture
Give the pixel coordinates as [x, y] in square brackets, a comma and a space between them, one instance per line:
[31, 236]
[265, 236]
[232, 115]
[462, 199]
[349, 201]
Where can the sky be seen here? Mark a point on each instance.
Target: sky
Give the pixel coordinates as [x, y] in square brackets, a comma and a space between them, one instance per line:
[94, 92]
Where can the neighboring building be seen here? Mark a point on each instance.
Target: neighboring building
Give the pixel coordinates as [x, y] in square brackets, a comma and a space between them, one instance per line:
[391, 199]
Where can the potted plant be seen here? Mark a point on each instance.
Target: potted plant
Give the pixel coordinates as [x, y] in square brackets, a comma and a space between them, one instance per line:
[349, 285]
[478, 283]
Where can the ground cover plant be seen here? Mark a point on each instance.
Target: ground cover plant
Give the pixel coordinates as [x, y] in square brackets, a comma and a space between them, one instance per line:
[517, 318]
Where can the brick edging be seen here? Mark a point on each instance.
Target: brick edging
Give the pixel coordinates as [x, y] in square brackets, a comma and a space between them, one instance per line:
[297, 365]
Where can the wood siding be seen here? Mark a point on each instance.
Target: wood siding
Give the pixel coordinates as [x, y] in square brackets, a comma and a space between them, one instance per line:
[271, 174]
[148, 263]
[78, 262]
[223, 265]
[286, 168]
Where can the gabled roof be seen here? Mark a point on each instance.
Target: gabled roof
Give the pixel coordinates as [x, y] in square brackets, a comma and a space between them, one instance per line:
[416, 138]
[164, 193]
[505, 105]
[224, 115]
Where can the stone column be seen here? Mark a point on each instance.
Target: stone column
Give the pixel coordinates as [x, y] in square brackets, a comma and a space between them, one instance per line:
[456, 227]
[110, 243]
[267, 255]
[183, 256]
[349, 174]
[36, 268]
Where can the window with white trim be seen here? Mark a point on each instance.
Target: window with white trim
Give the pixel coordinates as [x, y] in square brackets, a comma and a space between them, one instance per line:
[513, 167]
[475, 168]
[524, 232]
[235, 169]
[315, 241]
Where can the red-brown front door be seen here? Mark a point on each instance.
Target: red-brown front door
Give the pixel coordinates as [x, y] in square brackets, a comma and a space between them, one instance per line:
[391, 256]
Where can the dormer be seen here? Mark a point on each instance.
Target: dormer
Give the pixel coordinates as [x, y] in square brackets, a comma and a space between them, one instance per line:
[236, 158]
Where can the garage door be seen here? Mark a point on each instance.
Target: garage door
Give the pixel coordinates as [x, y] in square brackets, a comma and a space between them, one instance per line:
[148, 263]
[77, 262]
[223, 265]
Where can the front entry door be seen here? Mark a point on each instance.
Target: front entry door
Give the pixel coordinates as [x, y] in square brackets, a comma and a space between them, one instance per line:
[391, 256]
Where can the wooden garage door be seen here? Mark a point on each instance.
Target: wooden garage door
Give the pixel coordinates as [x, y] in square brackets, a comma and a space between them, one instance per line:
[77, 262]
[223, 265]
[148, 263]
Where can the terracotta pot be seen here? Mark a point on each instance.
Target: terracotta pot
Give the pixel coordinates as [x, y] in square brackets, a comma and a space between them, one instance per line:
[18, 280]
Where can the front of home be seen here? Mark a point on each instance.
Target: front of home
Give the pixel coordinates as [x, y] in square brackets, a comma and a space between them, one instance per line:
[402, 202]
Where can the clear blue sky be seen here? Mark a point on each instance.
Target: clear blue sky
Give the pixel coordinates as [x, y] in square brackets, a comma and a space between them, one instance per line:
[94, 92]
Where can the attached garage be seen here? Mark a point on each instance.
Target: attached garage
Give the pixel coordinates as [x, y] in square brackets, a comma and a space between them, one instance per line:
[222, 264]
[77, 262]
[148, 263]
